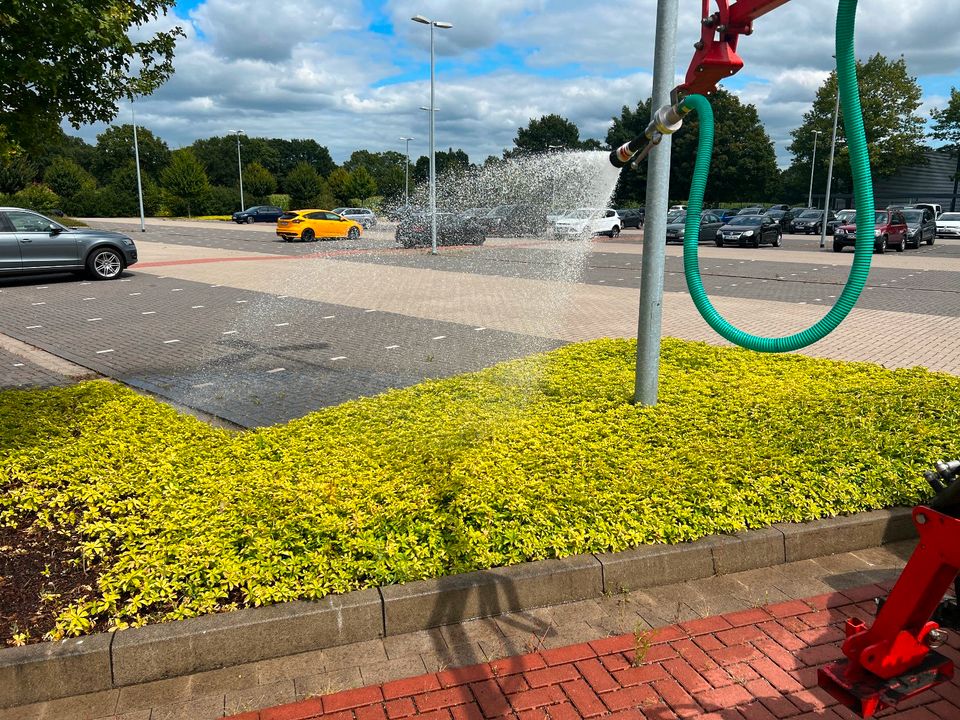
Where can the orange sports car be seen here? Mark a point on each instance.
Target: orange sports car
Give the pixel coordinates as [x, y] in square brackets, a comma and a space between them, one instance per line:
[310, 225]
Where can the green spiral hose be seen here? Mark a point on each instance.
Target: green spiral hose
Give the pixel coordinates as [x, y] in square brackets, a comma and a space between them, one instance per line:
[863, 191]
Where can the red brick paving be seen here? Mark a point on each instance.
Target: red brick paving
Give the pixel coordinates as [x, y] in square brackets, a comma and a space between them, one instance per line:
[758, 664]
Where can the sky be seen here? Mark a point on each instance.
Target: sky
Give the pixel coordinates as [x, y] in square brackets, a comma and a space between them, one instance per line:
[353, 74]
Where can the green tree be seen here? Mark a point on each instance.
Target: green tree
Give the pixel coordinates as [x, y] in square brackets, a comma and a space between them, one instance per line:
[544, 133]
[338, 184]
[744, 161]
[16, 172]
[76, 59]
[122, 191]
[387, 169]
[895, 132]
[302, 185]
[114, 150]
[66, 178]
[361, 185]
[946, 127]
[258, 181]
[452, 161]
[289, 153]
[185, 178]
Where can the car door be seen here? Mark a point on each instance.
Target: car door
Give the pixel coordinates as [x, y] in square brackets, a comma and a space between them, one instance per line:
[335, 225]
[898, 228]
[43, 243]
[9, 246]
[709, 224]
[768, 230]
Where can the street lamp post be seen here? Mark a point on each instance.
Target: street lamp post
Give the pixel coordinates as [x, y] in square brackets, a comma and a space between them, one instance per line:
[813, 164]
[238, 133]
[433, 160]
[136, 155]
[833, 149]
[406, 174]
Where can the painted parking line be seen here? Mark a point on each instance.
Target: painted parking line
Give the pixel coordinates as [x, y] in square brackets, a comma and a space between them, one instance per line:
[104, 352]
[241, 302]
[281, 324]
[275, 370]
[329, 317]
[135, 294]
[149, 312]
[230, 332]
[18, 364]
[339, 357]
[94, 319]
[479, 329]
[391, 347]
[89, 298]
[43, 287]
[203, 385]
[170, 342]
[34, 327]
[440, 337]
[196, 307]
[176, 290]
[38, 303]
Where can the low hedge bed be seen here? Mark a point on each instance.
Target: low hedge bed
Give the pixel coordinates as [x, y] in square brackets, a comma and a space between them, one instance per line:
[537, 458]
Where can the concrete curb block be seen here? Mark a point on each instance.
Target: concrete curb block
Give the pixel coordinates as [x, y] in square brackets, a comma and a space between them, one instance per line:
[37, 673]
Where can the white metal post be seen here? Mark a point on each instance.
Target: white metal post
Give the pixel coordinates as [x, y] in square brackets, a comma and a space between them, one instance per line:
[406, 175]
[655, 227]
[433, 156]
[238, 133]
[136, 155]
[833, 150]
[813, 164]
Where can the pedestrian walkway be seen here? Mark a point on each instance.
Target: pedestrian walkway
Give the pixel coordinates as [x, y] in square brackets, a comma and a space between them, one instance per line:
[752, 664]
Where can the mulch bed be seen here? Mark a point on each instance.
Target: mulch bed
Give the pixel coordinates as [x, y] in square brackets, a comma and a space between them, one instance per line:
[40, 575]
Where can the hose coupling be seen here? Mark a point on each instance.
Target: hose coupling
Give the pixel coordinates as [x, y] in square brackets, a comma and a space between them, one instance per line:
[666, 121]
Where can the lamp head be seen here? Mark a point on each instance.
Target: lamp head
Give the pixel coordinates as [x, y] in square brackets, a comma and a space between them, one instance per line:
[420, 19]
[443, 25]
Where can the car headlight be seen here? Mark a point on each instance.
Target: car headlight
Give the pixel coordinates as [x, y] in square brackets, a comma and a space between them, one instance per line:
[748, 233]
[127, 241]
[877, 233]
[681, 232]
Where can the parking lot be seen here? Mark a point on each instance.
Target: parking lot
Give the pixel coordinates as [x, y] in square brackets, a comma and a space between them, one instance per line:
[227, 320]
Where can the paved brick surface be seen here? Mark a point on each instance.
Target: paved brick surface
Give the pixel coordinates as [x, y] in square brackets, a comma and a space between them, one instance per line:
[20, 372]
[701, 670]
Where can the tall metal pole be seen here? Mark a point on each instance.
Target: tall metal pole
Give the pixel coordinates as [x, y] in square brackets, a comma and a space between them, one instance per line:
[655, 228]
[813, 164]
[136, 155]
[406, 175]
[833, 150]
[238, 133]
[433, 157]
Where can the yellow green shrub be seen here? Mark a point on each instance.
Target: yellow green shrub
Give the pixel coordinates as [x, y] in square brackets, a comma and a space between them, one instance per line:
[538, 458]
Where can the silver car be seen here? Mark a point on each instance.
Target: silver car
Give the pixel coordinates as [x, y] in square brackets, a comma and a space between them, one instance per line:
[364, 216]
[33, 243]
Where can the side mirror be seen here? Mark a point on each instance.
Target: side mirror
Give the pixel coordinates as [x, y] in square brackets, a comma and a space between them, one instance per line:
[54, 229]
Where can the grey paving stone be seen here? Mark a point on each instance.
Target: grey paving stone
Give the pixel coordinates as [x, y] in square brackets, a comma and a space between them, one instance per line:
[655, 565]
[79, 707]
[382, 672]
[842, 534]
[748, 550]
[210, 707]
[345, 678]
[261, 696]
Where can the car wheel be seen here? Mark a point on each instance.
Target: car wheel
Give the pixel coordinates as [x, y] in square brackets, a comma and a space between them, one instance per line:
[615, 231]
[778, 240]
[881, 247]
[837, 246]
[353, 233]
[104, 264]
[308, 235]
[903, 244]
[250, 221]
[755, 242]
[718, 243]
[930, 241]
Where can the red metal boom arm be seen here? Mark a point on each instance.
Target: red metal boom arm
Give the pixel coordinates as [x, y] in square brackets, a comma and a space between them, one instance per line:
[716, 57]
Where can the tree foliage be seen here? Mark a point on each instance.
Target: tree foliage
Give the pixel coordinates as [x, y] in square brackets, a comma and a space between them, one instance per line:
[76, 59]
[338, 185]
[16, 172]
[895, 132]
[185, 178]
[545, 133]
[66, 178]
[258, 181]
[361, 185]
[303, 185]
[744, 161]
[114, 150]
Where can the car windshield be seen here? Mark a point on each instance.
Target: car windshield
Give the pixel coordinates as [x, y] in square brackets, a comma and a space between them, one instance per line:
[747, 220]
[581, 213]
[775, 213]
[811, 214]
[952, 217]
[289, 215]
[913, 216]
[748, 211]
[846, 216]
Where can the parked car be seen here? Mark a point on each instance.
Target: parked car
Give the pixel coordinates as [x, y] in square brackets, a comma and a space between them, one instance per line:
[948, 225]
[311, 225]
[890, 228]
[452, 229]
[752, 230]
[33, 243]
[555, 215]
[847, 216]
[811, 221]
[514, 220]
[258, 213]
[921, 226]
[777, 207]
[364, 216]
[932, 207]
[783, 217]
[709, 224]
[632, 217]
[584, 222]
[723, 213]
[756, 210]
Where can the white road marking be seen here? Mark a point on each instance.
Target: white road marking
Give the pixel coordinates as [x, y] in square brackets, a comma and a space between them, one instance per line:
[369, 311]
[85, 283]
[127, 280]
[242, 301]
[281, 324]
[230, 332]
[176, 290]
[43, 287]
[329, 317]
[18, 364]
[282, 297]
[39, 303]
[479, 329]
[34, 327]
[440, 337]
[170, 342]
[149, 312]
[391, 347]
[275, 370]
[196, 307]
[104, 352]
[93, 319]
[135, 294]
[339, 357]
[203, 385]
[85, 299]
[216, 286]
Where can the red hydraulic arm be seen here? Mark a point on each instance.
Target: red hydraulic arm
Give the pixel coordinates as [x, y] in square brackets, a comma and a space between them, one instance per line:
[716, 57]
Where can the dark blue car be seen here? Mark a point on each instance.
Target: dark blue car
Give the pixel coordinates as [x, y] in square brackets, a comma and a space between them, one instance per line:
[258, 213]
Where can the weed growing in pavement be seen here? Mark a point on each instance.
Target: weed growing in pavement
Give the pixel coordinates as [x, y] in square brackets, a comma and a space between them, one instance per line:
[642, 640]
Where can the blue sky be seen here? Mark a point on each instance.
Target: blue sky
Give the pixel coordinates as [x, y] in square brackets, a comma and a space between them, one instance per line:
[353, 73]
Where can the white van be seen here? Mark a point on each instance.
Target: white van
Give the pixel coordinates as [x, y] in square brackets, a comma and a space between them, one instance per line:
[937, 210]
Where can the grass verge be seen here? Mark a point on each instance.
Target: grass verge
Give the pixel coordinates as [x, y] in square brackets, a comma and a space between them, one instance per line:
[537, 458]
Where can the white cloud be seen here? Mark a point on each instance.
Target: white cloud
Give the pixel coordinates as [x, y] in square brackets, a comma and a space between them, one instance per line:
[311, 68]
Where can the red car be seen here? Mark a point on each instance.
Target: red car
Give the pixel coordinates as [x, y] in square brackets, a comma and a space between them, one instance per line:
[890, 230]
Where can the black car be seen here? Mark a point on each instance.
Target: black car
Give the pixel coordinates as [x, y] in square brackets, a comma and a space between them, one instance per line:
[756, 210]
[258, 213]
[922, 226]
[783, 217]
[709, 225]
[811, 222]
[752, 230]
[632, 217]
[452, 229]
[723, 213]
